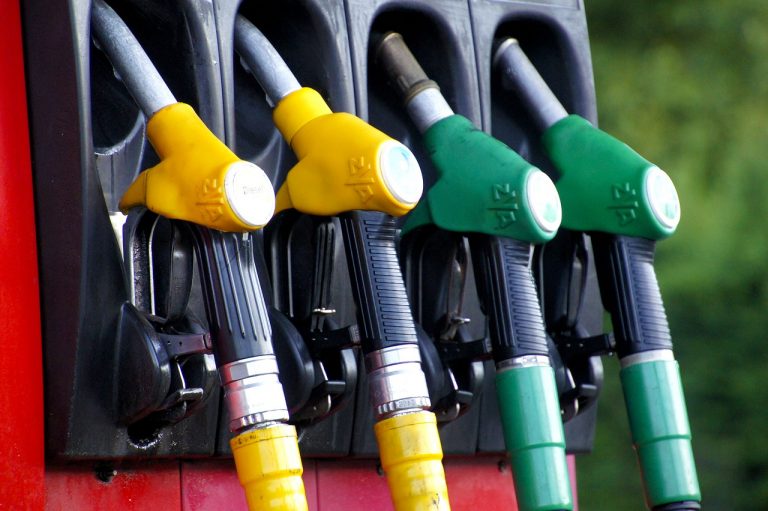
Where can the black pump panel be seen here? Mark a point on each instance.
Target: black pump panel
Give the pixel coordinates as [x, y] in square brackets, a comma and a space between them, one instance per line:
[84, 160]
[89, 143]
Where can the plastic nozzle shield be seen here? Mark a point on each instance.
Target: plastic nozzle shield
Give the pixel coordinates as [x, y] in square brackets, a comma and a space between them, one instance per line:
[493, 183]
[533, 433]
[606, 186]
[660, 431]
[411, 455]
[269, 468]
[199, 179]
[345, 164]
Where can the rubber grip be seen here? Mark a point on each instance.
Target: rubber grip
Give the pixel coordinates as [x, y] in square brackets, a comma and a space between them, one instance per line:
[383, 312]
[411, 454]
[508, 296]
[630, 293]
[269, 468]
[234, 302]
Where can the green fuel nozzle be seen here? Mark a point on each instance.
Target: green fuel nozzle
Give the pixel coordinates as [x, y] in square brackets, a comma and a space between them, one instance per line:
[500, 193]
[487, 192]
[625, 203]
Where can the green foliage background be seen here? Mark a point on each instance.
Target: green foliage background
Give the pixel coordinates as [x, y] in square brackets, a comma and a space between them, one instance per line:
[686, 84]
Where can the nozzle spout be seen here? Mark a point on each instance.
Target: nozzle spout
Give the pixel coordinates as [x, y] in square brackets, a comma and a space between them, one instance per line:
[519, 74]
[421, 96]
[263, 61]
[129, 59]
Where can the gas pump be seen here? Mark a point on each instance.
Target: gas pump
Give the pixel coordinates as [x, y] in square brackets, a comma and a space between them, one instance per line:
[626, 204]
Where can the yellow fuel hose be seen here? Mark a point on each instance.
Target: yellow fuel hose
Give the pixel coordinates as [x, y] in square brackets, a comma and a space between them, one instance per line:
[269, 468]
[411, 456]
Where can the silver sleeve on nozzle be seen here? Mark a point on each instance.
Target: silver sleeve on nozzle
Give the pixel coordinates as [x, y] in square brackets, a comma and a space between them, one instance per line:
[253, 393]
[261, 59]
[396, 382]
[519, 73]
[129, 60]
[421, 96]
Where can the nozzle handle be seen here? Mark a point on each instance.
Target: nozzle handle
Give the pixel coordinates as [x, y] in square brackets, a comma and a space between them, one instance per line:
[239, 324]
[509, 297]
[263, 61]
[630, 293]
[234, 300]
[520, 74]
[129, 59]
[384, 313]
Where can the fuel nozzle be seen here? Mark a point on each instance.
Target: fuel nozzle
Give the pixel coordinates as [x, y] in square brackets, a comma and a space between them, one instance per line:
[507, 204]
[349, 169]
[199, 180]
[625, 203]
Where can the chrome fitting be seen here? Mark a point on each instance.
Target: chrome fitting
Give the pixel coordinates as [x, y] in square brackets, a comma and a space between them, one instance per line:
[252, 392]
[427, 107]
[524, 361]
[396, 381]
[647, 356]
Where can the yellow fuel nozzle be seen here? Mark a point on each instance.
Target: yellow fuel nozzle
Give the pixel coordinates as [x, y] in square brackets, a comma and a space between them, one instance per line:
[269, 468]
[198, 178]
[411, 456]
[344, 164]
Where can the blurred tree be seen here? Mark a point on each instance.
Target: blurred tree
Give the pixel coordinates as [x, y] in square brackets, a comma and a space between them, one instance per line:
[686, 84]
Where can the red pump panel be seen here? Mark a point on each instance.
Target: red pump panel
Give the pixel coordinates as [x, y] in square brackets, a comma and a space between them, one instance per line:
[212, 485]
[147, 486]
[22, 462]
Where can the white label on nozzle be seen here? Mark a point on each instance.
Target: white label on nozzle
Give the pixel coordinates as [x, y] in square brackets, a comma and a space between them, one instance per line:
[662, 196]
[544, 201]
[249, 193]
[401, 172]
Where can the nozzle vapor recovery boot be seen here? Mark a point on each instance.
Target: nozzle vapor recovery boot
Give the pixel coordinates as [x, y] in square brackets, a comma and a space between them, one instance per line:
[349, 169]
[625, 203]
[507, 205]
[204, 186]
